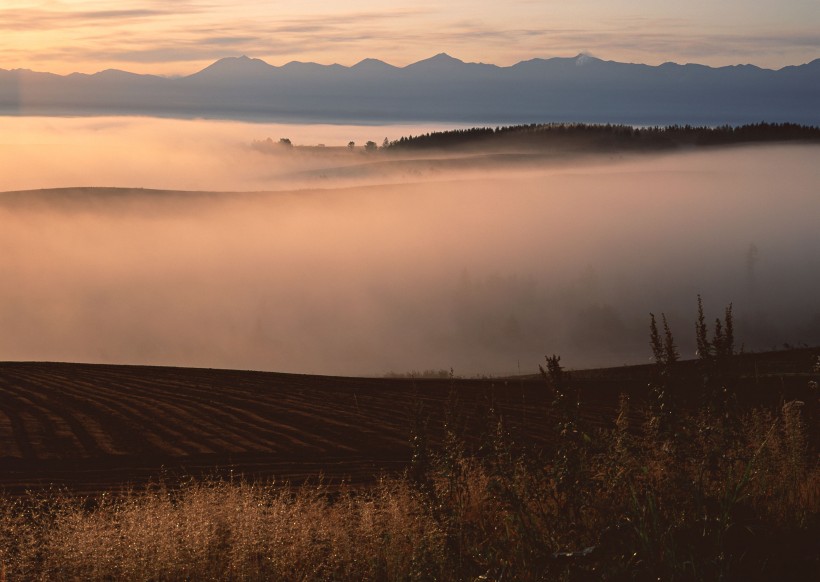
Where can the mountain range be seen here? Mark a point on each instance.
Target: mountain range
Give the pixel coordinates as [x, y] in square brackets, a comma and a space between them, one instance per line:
[441, 88]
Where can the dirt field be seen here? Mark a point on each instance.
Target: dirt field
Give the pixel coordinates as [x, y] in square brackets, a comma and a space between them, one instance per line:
[92, 427]
[96, 427]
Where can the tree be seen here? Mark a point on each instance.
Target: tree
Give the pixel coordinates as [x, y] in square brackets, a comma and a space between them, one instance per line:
[570, 437]
[669, 348]
[385, 143]
[717, 357]
[664, 350]
[663, 386]
[704, 349]
[351, 145]
[370, 146]
[285, 142]
[655, 340]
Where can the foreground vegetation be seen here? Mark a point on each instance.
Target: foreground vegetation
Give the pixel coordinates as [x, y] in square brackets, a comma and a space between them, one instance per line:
[737, 503]
[707, 492]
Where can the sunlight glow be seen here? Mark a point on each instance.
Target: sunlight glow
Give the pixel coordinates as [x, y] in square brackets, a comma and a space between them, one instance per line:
[147, 36]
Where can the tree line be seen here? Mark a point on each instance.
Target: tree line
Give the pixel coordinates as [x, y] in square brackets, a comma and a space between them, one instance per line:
[608, 136]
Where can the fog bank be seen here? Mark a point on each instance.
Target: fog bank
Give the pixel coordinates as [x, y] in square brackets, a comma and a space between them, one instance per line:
[144, 152]
[485, 272]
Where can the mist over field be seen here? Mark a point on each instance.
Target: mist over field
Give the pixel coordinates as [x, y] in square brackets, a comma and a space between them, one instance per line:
[335, 262]
[144, 152]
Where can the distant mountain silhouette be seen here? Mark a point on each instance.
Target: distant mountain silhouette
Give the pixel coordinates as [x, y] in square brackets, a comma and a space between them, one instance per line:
[441, 88]
[373, 65]
[235, 69]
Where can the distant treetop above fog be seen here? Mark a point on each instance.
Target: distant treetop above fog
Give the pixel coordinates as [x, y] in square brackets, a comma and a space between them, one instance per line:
[606, 136]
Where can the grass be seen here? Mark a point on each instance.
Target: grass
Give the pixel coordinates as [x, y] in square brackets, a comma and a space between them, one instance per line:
[712, 497]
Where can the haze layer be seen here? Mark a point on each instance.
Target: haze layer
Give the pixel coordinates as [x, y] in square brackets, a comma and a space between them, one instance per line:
[401, 267]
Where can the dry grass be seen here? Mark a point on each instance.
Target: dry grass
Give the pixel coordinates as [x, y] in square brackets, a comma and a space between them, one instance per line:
[219, 531]
[715, 500]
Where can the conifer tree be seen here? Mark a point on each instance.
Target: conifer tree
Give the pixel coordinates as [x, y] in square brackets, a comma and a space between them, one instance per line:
[670, 350]
[655, 340]
[729, 333]
[704, 350]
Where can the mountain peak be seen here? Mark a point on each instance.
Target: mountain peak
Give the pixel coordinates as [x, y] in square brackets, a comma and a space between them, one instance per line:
[234, 66]
[244, 60]
[444, 57]
[438, 61]
[372, 65]
[582, 59]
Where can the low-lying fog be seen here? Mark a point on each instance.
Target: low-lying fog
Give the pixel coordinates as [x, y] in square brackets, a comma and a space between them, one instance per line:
[483, 271]
[144, 152]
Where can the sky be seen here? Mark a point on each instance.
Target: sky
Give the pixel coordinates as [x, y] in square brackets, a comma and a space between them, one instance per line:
[184, 36]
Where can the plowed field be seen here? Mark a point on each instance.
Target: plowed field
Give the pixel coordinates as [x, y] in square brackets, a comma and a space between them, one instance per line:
[92, 427]
[96, 427]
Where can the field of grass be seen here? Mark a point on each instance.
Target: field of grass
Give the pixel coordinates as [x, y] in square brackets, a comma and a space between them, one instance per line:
[443, 479]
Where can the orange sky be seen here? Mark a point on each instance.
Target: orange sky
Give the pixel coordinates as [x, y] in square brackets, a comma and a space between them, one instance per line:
[183, 36]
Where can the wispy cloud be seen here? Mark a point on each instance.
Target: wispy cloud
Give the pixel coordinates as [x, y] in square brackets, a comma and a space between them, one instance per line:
[178, 38]
[230, 40]
[36, 19]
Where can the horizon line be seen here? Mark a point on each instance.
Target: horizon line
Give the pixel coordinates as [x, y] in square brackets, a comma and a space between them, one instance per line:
[441, 55]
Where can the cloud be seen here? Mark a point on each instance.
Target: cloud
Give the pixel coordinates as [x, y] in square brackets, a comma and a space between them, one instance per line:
[230, 40]
[193, 33]
[94, 15]
[38, 19]
[180, 37]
